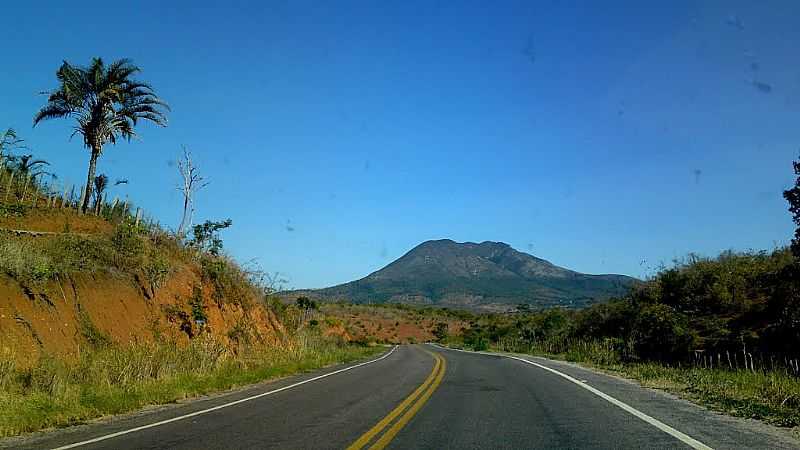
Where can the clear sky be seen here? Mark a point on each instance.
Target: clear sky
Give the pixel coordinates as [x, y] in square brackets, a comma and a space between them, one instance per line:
[338, 135]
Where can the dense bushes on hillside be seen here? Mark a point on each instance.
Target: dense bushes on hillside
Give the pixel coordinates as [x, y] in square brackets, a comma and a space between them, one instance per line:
[734, 305]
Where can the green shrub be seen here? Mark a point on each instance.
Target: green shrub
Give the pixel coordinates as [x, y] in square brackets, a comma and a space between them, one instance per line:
[240, 333]
[74, 253]
[231, 284]
[90, 333]
[206, 236]
[659, 332]
[13, 210]
[156, 269]
[175, 314]
[197, 304]
[24, 261]
[128, 243]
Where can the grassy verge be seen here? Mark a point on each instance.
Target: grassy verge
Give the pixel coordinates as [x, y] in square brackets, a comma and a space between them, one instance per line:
[773, 397]
[116, 380]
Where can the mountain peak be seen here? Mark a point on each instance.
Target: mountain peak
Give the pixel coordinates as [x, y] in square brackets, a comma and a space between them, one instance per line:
[486, 275]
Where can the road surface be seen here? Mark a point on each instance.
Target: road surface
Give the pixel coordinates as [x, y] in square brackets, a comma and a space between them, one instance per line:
[427, 397]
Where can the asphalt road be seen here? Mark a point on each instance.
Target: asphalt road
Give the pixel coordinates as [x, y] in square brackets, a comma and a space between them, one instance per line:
[427, 397]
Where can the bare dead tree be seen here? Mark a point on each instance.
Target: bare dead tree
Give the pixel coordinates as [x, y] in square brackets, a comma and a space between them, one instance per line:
[192, 183]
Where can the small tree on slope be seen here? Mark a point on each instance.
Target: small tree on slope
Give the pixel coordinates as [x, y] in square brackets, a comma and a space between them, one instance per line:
[793, 197]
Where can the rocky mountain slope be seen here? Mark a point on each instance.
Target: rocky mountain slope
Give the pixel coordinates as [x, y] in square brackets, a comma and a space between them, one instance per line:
[489, 275]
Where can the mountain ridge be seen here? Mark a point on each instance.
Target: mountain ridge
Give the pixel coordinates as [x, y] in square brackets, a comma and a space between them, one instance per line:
[486, 275]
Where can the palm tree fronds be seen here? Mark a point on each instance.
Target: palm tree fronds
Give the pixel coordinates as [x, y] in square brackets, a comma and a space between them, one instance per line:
[105, 101]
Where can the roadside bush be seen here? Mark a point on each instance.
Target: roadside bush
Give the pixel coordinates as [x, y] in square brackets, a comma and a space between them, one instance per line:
[178, 316]
[197, 304]
[206, 236]
[156, 269]
[240, 333]
[167, 244]
[659, 332]
[74, 253]
[231, 284]
[24, 261]
[128, 243]
[91, 334]
[13, 210]
[440, 331]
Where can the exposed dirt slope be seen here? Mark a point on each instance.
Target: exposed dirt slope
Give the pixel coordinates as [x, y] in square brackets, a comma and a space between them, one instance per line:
[60, 315]
[388, 324]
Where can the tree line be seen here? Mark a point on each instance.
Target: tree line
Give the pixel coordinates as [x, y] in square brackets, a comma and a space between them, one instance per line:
[739, 309]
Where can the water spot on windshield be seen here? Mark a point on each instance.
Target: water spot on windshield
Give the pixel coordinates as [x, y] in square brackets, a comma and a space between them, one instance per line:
[764, 88]
[734, 21]
[530, 50]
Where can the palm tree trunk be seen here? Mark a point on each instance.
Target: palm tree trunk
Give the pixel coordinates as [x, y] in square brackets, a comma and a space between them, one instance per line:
[90, 178]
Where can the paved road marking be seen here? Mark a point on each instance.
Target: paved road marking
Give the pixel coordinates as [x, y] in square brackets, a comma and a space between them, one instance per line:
[686, 439]
[369, 435]
[392, 432]
[225, 405]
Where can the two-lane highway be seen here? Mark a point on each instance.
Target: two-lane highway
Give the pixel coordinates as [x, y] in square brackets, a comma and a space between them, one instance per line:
[426, 397]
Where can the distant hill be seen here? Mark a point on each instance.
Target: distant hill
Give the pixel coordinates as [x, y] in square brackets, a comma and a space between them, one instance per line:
[489, 275]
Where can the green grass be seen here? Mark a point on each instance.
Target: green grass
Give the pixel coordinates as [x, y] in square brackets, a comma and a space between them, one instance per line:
[770, 396]
[773, 397]
[113, 380]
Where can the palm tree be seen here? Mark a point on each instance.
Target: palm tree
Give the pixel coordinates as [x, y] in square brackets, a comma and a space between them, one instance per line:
[9, 141]
[106, 104]
[27, 166]
[100, 185]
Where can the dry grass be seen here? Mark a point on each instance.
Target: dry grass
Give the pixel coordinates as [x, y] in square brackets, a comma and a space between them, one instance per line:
[114, 380]
[772, 396]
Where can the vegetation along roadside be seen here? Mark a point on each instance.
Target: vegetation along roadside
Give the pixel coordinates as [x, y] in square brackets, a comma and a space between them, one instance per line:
[104, 311]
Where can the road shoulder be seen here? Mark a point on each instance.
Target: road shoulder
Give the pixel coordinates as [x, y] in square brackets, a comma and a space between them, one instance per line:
[155, 413]
[713, 428]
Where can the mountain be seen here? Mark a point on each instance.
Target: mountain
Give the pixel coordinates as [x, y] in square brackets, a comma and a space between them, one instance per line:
[489, 275]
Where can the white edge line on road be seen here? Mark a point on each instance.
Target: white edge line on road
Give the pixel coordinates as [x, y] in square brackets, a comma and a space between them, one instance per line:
[225, 405]
[686, 439]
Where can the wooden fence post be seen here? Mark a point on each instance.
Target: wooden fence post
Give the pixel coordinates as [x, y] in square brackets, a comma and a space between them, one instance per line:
[138, 216]
[25, 188]
[64, 199]
[83, 197]
[8, 188]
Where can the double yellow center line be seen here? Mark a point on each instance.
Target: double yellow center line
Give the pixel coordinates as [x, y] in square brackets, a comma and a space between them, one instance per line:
[411, 405]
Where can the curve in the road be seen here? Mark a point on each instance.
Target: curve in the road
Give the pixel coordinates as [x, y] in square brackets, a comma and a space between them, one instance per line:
[425, 390]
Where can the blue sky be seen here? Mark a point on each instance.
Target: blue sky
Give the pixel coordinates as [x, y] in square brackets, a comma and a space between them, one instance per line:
[338, 135]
